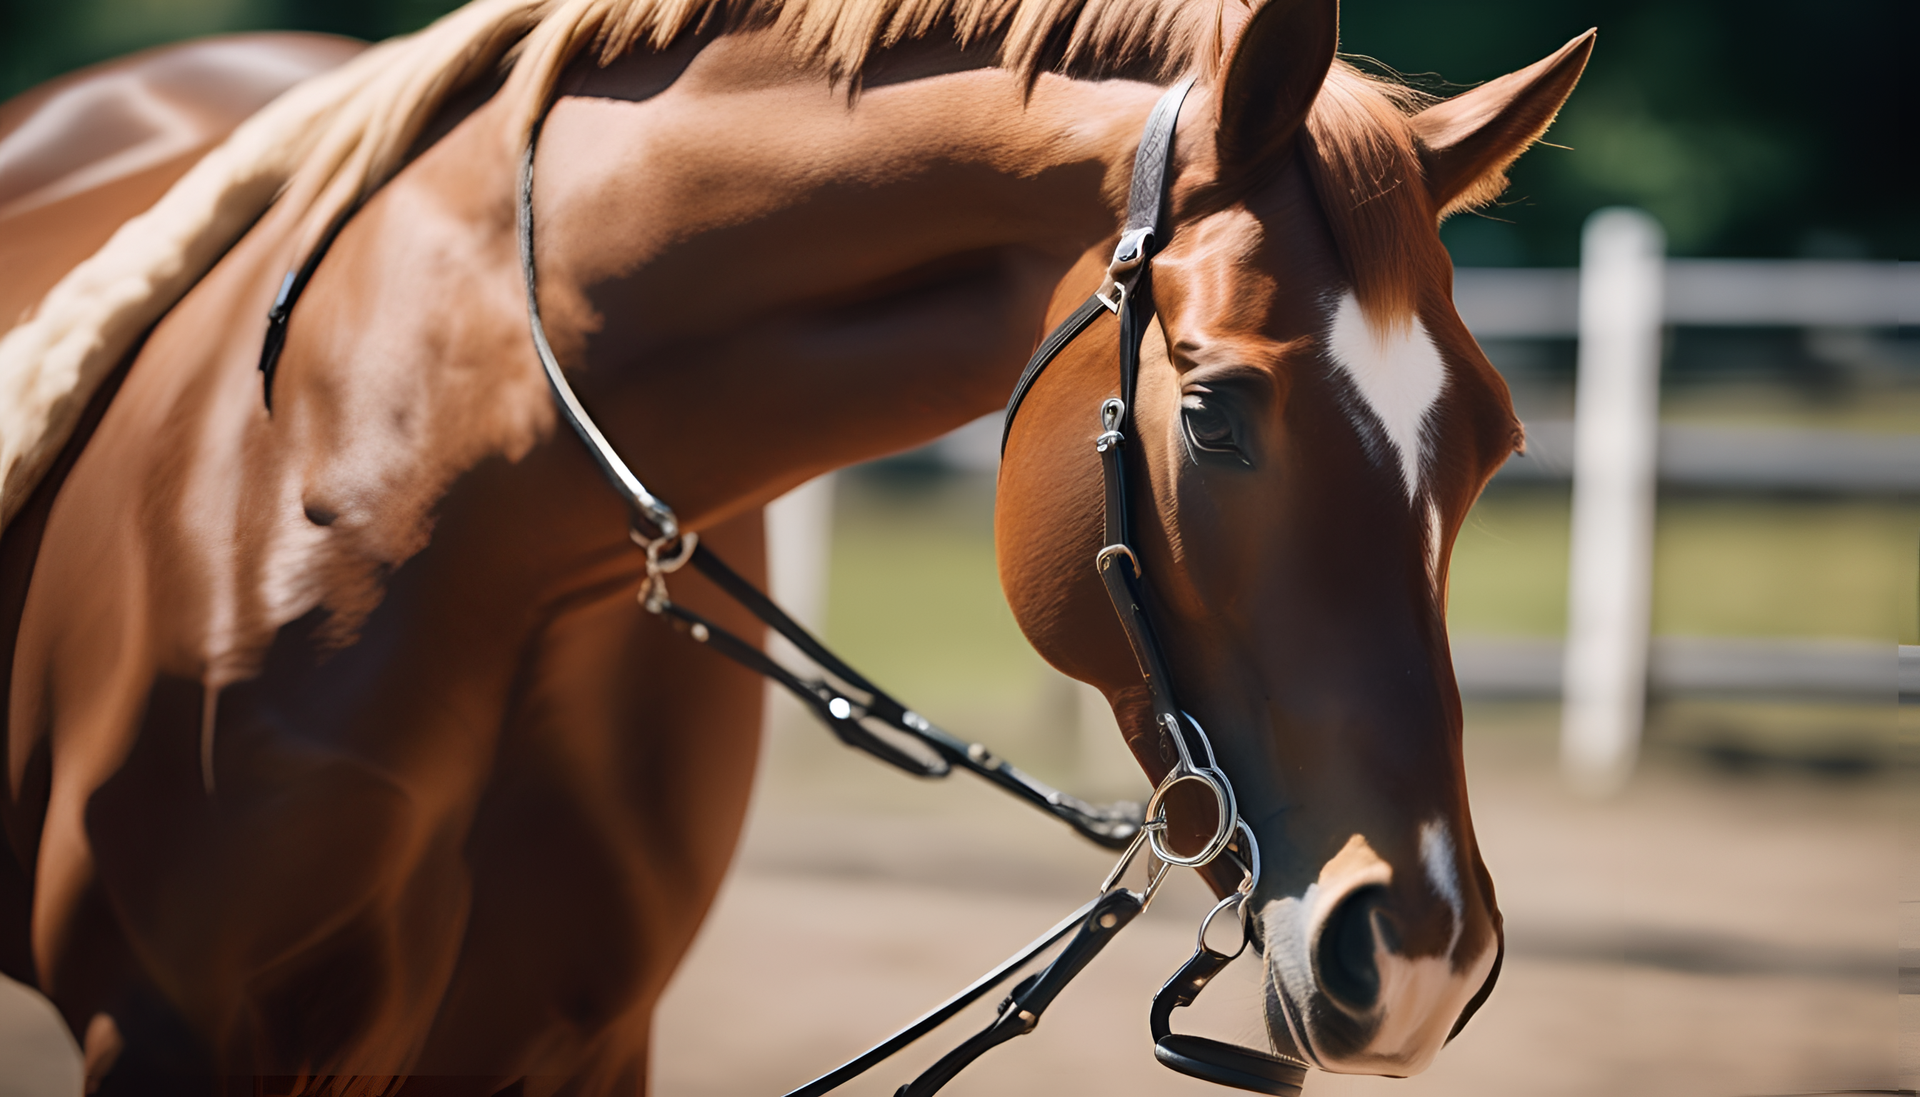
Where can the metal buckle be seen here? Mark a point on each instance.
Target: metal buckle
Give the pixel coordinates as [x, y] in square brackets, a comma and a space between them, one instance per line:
[1112, 414]
[1129, 255]
[1107, 555]
[653, 590]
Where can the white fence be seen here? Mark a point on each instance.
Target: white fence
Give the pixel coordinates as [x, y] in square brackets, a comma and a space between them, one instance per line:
[1617, 305]
[1535, 304]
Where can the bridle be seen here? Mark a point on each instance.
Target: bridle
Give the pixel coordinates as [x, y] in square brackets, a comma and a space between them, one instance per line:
[852, 707]
[1127, 291]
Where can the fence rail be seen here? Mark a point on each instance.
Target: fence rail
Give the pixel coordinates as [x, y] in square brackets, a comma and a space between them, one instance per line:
[1545, 304]
[1845, 671]
[1724, 458]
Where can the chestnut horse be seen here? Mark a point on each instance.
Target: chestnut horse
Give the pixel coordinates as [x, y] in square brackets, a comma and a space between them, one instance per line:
[337, 747]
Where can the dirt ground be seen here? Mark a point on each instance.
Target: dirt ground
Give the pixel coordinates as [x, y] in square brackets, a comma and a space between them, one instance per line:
[1706, 933]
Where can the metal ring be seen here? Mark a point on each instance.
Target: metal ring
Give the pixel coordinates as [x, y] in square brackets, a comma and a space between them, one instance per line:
[1170, 725]
[1205, 743]
[1223, 804]
[1237, 900]
[683, 545]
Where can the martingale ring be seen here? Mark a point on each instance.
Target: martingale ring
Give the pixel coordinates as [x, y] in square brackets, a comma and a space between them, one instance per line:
[1185, 772]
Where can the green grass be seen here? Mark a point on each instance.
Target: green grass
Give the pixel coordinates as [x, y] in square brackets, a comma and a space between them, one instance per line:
[1722, 567]
[914, 599]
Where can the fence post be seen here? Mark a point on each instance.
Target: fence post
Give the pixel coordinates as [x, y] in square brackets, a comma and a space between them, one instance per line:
[799, 550]
[1616, 420]
[799, 553]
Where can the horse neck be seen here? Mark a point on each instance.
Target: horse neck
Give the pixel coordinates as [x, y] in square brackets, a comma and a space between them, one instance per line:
[757, 276]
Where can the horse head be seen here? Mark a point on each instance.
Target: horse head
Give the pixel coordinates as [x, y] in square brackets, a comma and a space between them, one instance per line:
[1311, 423]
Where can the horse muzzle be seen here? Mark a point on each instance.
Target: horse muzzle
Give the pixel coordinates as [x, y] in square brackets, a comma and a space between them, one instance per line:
[1343, 991]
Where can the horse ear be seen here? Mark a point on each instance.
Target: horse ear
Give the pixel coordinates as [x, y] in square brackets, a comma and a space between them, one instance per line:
[1275, 66]
[1466, 142]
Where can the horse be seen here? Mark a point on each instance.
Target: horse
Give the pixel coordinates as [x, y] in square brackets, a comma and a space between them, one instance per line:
[341, 759]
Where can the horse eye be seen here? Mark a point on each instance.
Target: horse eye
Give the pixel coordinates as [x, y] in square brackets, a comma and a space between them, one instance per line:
[1208, 428]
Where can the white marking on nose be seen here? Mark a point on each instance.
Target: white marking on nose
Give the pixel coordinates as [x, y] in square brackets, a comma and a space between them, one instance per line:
[1433, 540]
[1420, 997]
[1437, 857]
[1398, 373]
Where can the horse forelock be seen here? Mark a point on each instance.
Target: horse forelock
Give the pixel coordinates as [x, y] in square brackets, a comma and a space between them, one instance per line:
[1360, 154]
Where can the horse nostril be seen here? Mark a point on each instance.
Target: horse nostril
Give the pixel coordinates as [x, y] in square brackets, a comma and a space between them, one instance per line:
[1344, 958]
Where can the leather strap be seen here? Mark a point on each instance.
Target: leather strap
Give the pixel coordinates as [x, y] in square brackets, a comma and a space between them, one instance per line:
[291, 287]
[648, 514]
[1214, 1060]
[1141, 238]
[1056, 341]
[1021, 1011]
[943, 1012]
[839, 705]
[1110, 825]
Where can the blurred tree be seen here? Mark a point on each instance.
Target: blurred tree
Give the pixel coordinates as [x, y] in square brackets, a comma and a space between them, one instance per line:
[40, 40]
[1749, 127]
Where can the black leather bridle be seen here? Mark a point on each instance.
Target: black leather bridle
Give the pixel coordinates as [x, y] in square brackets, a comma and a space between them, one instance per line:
[851, 706]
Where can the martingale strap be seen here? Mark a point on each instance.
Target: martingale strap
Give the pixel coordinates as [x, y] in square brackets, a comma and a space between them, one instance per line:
[838, 705]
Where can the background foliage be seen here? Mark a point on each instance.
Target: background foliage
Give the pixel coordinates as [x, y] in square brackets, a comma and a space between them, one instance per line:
[1749, 127]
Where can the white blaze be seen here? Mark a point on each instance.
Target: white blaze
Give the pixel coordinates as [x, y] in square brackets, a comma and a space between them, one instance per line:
[1436, 856]
[1398, 373]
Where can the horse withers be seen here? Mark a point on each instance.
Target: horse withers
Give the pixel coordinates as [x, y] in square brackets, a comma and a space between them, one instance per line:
[339, 750]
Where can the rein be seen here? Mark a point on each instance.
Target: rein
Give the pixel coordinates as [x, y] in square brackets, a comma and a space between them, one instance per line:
[846, 702]
[835, 702]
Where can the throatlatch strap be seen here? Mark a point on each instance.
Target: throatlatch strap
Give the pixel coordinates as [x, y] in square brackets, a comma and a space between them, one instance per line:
[1055, 342]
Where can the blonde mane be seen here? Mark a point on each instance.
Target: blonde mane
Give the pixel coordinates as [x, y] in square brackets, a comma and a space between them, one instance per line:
[333, 140]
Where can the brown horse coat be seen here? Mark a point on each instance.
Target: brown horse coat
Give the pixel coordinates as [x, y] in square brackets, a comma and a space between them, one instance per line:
[337, 746]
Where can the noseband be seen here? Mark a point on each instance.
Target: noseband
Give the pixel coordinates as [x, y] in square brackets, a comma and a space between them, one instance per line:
[856, 710]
